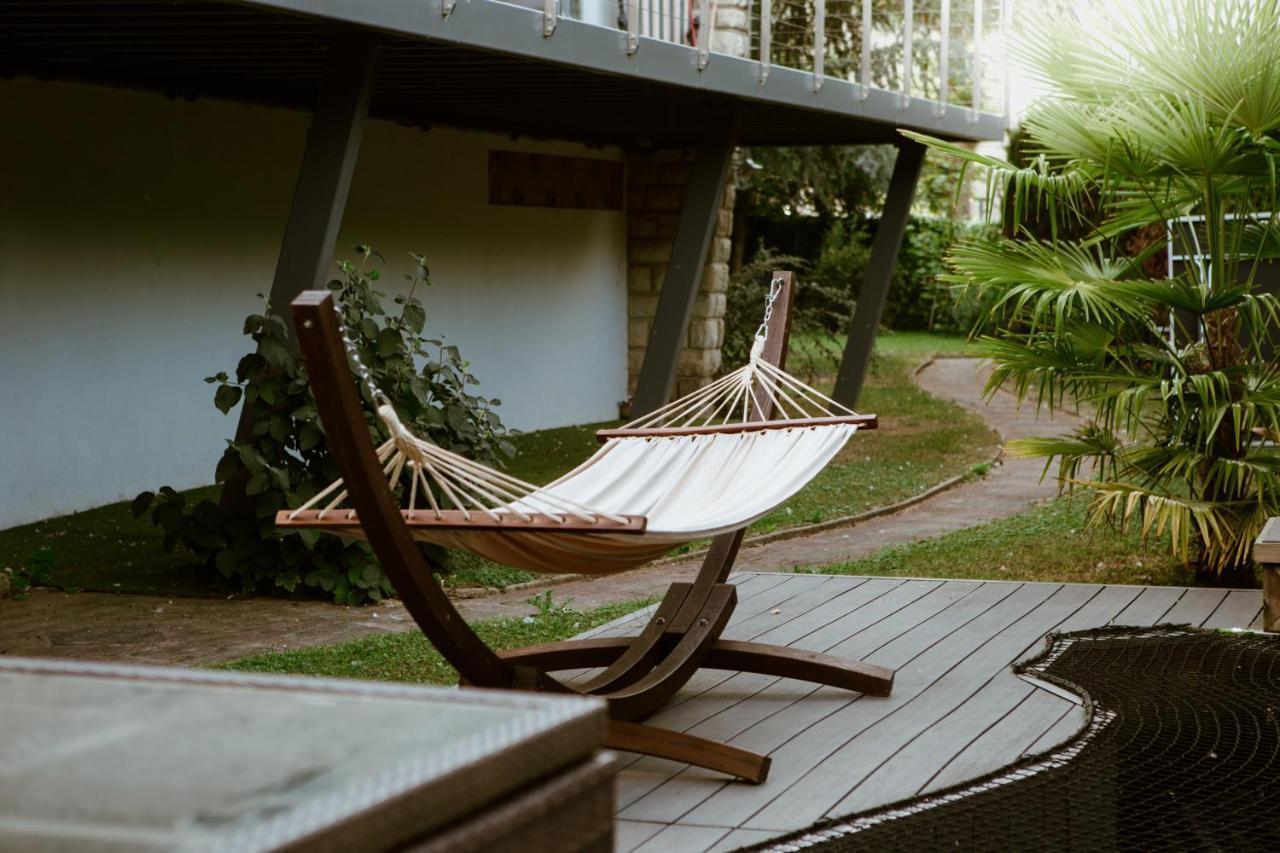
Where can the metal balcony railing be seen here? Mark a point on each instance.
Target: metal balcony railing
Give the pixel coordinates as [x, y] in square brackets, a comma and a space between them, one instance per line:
[947, 52]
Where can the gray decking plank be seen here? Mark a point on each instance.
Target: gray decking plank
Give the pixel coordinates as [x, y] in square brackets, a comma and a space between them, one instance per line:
[940, 722]
[919, 663]
[674, 797]
[1195, 606]
[831, 611]
[899, 612]
[740, 838]
[796, 606]
[682, 838]
[641, 774]
[907, 645]
[916, 631]
[835, 608]
[1065, 728]
[695, 702]
[748, 585]
[901, 608]
[759, 597]
[630, 834]
[708, 679]
[1150, 606]
[734, 721]
[1237, 610]
[908, 769]
[1013, 734]
[1100, 610]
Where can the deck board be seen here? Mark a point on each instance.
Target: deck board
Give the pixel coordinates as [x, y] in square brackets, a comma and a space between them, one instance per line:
[1237, 610]
[1150, 606]
[948, 710]
[1014, 733]
[1195, 606]
[957, 711]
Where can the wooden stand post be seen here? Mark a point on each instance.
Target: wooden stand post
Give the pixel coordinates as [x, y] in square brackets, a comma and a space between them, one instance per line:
[875, 284]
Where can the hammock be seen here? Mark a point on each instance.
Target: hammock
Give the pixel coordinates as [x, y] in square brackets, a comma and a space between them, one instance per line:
[705, 464]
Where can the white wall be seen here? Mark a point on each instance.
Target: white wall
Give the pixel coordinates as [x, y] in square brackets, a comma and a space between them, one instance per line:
[135, 232]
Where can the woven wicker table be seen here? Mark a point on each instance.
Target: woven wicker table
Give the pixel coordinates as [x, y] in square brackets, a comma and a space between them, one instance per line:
[113, 758]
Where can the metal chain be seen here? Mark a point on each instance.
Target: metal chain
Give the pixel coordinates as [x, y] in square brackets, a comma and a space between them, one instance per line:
[775, 289]
[361, 369]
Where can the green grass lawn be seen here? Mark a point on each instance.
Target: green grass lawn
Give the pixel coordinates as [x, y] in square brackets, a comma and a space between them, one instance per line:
[1047, 543]
[409, 657]
[922, 441]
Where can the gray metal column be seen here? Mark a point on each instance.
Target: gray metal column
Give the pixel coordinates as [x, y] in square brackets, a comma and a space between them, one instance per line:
[319, 199]
[320, 196]
[684, 273]
[875, 284]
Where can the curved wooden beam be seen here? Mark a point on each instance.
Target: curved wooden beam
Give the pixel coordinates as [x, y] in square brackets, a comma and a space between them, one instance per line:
[761, 658]
[339, 405]
[678, 746]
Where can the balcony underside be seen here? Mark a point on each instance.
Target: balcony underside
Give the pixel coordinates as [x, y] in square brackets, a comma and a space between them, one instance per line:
[487, 66]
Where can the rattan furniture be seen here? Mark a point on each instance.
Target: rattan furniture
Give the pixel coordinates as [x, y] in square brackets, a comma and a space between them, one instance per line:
[98, 758]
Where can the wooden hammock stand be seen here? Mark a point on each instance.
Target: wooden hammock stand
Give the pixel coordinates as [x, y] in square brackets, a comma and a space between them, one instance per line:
[640, 673]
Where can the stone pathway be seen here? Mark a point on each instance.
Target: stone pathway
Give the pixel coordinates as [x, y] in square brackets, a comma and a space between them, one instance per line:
[145, 629]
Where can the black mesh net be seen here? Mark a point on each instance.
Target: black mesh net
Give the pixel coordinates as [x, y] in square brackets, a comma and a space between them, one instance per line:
[1181, 752]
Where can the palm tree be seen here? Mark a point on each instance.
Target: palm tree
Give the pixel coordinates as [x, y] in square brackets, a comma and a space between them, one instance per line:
[1166, 111]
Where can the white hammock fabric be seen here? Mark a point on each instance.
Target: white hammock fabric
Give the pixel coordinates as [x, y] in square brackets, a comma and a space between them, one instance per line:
[703, 467]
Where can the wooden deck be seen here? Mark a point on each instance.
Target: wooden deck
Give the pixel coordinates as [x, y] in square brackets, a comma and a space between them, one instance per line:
[957, 710]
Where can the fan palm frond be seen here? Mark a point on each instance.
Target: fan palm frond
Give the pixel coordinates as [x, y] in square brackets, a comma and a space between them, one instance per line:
[1167, 112]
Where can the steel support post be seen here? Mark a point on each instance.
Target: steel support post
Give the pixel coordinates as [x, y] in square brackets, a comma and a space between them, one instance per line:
[875, 284]
[319, 197]
[684, 273]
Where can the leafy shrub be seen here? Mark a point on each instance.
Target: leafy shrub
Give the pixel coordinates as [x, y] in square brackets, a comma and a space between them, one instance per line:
[920, 298]
[284, 460]
[831, 289]
[36, 571]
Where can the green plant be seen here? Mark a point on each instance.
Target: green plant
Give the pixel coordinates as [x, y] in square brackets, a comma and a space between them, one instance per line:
[920, 297]
[283, 459]
[1165, 109]
[829, 293]
[36, 570]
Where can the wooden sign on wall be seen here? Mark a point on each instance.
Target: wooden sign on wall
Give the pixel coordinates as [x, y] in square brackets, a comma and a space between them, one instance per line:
[548, 180]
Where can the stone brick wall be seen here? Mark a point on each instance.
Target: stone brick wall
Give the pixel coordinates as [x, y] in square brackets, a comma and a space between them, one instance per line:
[656, 184]
[732, 31]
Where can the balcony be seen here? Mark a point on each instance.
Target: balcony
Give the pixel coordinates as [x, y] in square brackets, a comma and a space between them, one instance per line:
[643, 72]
